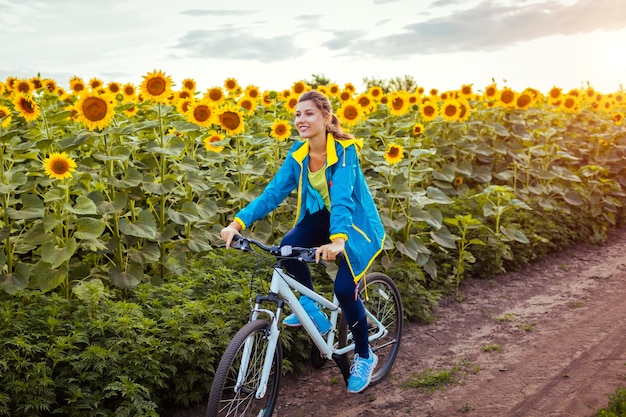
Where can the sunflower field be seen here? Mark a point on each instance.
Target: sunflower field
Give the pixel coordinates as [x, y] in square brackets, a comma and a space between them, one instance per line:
[108, 188]
[125, 183]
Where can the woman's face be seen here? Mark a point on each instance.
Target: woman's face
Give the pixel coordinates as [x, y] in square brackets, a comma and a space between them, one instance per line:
[309, 120]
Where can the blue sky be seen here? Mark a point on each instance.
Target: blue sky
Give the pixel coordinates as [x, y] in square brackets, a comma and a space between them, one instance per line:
[273, 43]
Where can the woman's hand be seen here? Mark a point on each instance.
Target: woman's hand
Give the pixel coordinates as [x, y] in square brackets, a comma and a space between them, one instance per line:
[330, 251]
[229, 232]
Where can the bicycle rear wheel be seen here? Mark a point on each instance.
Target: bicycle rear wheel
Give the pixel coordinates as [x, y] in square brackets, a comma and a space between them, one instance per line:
[225, 399]
[384, 302]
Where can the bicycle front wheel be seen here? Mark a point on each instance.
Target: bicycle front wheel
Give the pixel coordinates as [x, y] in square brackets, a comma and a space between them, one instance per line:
[381, 298]
[230, 398]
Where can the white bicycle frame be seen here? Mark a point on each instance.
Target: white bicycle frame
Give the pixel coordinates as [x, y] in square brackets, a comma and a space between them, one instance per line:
[283, 285]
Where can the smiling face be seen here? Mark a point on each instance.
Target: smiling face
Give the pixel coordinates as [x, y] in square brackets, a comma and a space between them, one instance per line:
[310, 121]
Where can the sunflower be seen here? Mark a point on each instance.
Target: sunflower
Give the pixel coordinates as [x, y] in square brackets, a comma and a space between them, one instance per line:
[95, 111]
[417, 129]
[450, 110]
[26, 106]
[366, 103]
[253, 92]
[345, 95]
[524, 101]
[281, 129]
[458, 181]
[350, 113]
[183, 95]
[247, 103]
[429, 111]
[398, 103]
[570, 104]
[59, 166]
[215, 95]
[268, 98]
[231, 120]
[618, 118]
[210, 139]
[131, 111]
[491, 92]
[114, 87]
[554, 94]
[393, 154]
[466, 90]
[507, 97]
[77, 84]
[129, 91]
[232, 86]
[24, 86]
[299, 87]
[323, 89]
[349, 87]
[433, 92]
[182, 105]
[201, 112]
[5, 116]
[189, 84]
[375, 92]
[156, 87]
[95, 83]
[464, 110]
[334, 89]
[291, 104]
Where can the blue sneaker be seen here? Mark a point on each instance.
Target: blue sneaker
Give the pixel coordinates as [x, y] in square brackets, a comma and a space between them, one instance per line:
[361, 372]
[320, 319]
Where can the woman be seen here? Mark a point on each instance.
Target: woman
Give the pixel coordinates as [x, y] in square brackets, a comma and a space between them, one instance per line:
[335, 212]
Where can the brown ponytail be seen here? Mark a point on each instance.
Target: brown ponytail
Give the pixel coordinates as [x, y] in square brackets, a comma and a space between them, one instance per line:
[322, 103]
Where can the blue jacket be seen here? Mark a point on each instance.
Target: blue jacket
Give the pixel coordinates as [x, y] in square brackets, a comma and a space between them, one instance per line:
[353, 213]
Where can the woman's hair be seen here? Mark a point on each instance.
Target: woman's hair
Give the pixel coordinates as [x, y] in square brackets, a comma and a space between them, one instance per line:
[323, 103]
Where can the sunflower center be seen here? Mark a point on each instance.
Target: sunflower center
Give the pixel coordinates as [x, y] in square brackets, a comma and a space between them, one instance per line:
[59, 166]
[215, 94]
[429, 110]
[156, 86]
[281, 129]
[394, 151]
[27, 106]
[246, 104]
[507, 97]
[202, 113]
[95, 109]
[350, 113]
[523, 100]
[2, 114]
[451, 110]
[230, 120]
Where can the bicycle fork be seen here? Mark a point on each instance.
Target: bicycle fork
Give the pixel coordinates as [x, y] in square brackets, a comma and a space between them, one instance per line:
[272, 340]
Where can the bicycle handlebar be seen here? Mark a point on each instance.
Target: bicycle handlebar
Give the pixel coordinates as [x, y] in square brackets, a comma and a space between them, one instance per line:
[281, 252]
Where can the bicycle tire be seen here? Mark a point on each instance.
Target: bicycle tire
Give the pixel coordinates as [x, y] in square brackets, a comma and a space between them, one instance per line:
[223, 400]
[385, 303]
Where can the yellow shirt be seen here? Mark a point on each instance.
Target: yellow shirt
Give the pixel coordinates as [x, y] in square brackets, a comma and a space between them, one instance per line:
[317, 180]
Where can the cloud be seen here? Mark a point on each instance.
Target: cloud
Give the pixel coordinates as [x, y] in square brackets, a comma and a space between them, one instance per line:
[204, 12]
[219, 44]
[489, 26]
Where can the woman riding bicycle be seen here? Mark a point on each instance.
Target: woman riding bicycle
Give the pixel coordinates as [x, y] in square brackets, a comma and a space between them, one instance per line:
[335, 212]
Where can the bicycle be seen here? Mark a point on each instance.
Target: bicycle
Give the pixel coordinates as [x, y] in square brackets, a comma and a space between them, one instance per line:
[247, 379]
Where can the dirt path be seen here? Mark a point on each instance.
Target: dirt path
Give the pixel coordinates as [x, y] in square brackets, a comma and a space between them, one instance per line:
[557, 332]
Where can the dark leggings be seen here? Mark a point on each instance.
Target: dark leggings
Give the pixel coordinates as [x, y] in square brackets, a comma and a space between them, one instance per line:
[311, 232]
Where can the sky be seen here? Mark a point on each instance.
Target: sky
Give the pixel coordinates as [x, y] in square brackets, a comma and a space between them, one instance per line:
[272, 44]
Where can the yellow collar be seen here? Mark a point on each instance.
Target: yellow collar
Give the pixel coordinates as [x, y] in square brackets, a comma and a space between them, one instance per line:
[331, 150]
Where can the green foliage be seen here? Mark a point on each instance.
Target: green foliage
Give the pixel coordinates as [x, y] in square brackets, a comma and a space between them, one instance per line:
[616, 406]
[99, 355]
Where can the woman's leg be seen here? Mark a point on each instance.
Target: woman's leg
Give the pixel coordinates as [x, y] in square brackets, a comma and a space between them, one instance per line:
[312, 231]
[352, 306]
